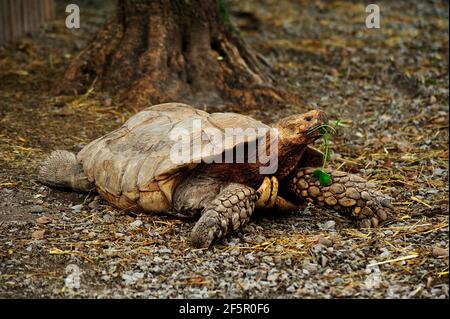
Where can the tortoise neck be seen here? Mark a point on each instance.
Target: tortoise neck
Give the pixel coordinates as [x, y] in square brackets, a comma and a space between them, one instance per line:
[289, 156]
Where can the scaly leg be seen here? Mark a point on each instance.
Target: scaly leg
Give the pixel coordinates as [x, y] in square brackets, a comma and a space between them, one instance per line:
[228, 211]
[347, 193]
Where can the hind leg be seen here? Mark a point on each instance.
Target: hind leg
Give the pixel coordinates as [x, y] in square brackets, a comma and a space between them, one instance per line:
[347, 193]
[61, 169]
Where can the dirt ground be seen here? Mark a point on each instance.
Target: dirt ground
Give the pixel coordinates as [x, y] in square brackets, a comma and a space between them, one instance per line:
[389, 86]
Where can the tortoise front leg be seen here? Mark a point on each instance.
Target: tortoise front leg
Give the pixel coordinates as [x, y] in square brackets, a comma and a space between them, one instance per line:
[231, 208]
[348, 193]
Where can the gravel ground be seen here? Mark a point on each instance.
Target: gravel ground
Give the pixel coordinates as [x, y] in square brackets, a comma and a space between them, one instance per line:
[389, 86]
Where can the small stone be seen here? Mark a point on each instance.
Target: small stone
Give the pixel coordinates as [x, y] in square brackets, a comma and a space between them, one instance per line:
[309, 266]
[165, 250]
[36, 209]
[323, 260]
[291, 289]
[328, 225]
[273, 277]
[324, 241]
[439, 252]
[44, 220]
[94, 204]
[77, 208]
[158, 260]
[433, 99]
[317, 248]
[38, 234]
[137, 223]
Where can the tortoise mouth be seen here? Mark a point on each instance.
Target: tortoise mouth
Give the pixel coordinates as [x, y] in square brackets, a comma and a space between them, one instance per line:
[320, 129]
[316, 131]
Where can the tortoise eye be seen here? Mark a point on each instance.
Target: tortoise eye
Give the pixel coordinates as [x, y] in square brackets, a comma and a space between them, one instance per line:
[308, 118]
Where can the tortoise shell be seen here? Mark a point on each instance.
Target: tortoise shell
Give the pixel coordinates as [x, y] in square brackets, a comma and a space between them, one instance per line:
[132, 166]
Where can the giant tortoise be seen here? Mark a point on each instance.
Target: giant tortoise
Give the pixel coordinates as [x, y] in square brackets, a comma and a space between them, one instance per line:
[138, 167]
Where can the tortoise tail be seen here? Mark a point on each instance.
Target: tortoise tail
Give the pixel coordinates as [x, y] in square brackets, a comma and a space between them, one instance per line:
[62, 170]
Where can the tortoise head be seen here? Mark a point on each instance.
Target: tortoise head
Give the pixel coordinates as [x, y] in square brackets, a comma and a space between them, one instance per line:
[300, 129]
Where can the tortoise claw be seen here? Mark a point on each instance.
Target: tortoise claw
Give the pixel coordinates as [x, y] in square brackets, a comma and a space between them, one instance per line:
[386, 202]
[381, 214]
[267, 193]
[364, 223]
[374, 221]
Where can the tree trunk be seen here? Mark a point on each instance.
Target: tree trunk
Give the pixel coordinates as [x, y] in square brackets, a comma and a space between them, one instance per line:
[157, 51]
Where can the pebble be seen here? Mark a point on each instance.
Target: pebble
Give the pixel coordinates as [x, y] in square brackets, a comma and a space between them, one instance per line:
[132, 278]
[273, 277]
[324, 241]
[38, 234]
[291, 288]
[328, 225]
[309, 266]
[439, 252]
[164, 250]
[108, 218]
[43, 220]
[318, 248]
[158, 259]
[137, 223]
[323, 260]
[94, 204]
[76, 208]
[36, 209]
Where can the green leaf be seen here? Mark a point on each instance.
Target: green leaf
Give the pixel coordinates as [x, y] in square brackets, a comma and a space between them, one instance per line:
[324, 178]
[317, 173]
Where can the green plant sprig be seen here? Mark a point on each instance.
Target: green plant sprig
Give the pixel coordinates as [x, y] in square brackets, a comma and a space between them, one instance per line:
[324, 178]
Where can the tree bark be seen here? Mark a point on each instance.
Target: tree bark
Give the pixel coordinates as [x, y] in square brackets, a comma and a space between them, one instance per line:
[157, 51]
